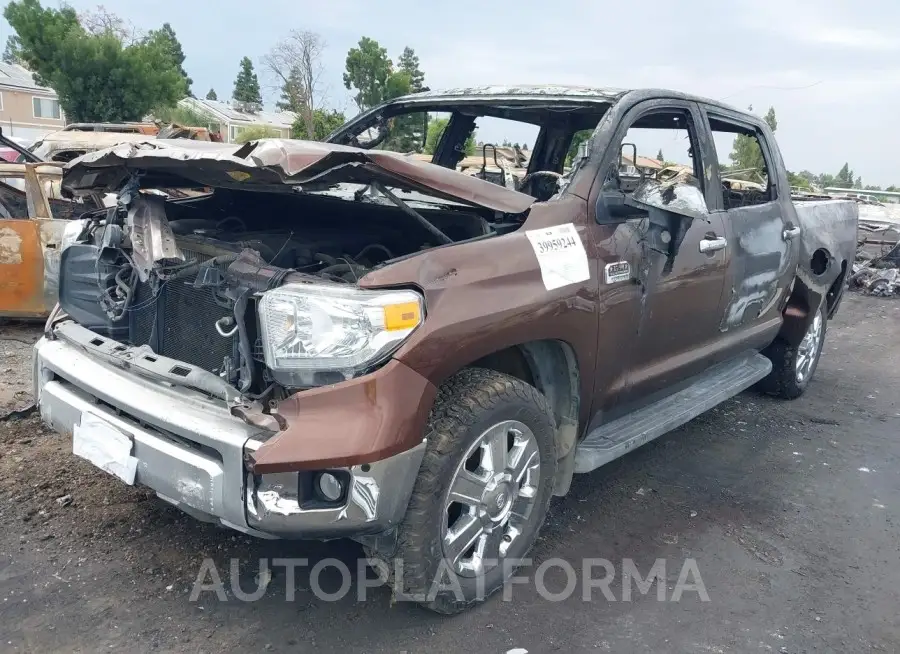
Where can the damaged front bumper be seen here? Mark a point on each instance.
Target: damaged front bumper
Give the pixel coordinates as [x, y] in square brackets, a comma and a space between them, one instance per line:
[194, 453]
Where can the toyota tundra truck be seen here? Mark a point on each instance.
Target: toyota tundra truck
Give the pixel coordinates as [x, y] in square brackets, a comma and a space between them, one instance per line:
[339, 339]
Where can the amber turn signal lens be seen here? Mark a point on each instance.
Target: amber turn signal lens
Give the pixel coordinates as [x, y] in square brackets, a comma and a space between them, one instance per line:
[402, 316]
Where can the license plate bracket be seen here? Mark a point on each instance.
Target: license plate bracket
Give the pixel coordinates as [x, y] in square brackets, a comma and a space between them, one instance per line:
[106, 446]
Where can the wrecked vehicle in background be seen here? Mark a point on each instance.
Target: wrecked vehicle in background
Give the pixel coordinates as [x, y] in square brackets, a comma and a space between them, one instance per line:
[877, 267]
[65, 145]
[34, 215]
[33, 220]
[346, 342]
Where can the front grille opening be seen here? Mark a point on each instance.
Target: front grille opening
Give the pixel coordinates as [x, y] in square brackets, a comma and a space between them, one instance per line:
[181, 371]
[149, 358]
[97, 341]
[178, 321]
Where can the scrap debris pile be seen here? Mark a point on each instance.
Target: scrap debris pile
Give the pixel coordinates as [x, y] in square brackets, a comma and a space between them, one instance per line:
[877, 267]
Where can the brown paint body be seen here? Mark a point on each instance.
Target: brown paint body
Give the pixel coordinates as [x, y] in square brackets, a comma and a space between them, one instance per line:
[632, 340]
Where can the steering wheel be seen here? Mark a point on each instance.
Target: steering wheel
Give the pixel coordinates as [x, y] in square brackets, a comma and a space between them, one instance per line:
[539, 174]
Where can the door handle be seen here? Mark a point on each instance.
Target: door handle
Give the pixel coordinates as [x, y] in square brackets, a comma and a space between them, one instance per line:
[709, 245]
[790, 232]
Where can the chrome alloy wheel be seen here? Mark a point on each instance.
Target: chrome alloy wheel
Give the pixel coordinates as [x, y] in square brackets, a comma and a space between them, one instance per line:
[809, 349]
[491, 497]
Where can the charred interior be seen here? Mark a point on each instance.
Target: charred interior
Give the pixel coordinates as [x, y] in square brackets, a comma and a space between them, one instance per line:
[183, 276]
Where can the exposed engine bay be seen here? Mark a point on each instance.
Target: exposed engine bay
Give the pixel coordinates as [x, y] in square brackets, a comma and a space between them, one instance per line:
[184, 277]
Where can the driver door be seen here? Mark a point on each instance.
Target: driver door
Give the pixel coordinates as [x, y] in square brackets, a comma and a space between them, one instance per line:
[677, 249]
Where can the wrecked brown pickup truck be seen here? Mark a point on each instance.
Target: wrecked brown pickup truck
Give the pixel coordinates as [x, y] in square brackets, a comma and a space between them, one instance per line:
[342, 341]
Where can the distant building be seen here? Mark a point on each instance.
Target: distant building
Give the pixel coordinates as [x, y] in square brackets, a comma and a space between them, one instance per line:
[27, 111]
[230, 118]
[644, 165]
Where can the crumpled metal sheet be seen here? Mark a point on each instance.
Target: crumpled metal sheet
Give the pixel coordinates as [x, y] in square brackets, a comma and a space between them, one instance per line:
[152, 240]
[273, 163]
[877, 275]
[681, 195]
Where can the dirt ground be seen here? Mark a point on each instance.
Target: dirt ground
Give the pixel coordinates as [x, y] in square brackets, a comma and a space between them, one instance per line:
[791, 511]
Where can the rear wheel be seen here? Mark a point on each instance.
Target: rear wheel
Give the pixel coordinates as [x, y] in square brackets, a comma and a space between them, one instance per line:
[793, 366]
[482, 493]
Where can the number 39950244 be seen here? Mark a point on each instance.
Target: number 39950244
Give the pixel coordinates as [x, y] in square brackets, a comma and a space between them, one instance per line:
[556, 244]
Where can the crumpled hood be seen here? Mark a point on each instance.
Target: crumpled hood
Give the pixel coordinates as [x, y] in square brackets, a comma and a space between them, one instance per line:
[274, 165]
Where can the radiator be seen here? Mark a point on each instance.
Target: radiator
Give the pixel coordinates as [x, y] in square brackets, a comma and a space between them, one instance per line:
[180, 322]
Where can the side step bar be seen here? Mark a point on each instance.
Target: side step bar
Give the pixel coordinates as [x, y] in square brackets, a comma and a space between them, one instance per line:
[722, 381]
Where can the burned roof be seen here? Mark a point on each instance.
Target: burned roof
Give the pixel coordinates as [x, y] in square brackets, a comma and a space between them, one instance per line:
[538, 92]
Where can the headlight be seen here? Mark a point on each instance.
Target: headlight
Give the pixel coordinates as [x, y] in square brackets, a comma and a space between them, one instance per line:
[309, 328]
[71, 232]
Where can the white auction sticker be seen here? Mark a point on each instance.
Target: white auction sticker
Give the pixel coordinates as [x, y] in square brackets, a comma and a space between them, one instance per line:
[560, 254]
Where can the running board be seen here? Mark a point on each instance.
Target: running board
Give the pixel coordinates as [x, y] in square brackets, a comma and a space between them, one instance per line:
[722, 381]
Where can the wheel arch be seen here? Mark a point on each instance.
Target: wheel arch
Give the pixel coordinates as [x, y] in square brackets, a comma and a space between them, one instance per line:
[805, 301]
[551, 366]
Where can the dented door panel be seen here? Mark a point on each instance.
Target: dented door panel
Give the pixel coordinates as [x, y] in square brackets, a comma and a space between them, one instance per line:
[679, 309]
[761, 270]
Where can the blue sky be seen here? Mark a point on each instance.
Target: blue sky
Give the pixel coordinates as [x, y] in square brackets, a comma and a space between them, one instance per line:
[830, 68]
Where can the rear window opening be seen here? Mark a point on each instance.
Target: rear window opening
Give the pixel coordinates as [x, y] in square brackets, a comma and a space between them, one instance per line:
[744, 164]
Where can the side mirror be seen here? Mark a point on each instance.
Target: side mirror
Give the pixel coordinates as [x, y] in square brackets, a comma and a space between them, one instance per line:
[613, 206]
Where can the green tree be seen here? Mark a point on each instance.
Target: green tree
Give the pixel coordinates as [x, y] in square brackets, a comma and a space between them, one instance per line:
[96, 76]
[892, 189]
[436, 129]
[577, 139]
[291, 97]
[184, 116]
[325, 122]
[13, 52]
[826, 180]
[246, 84]
[407, 132]
[844, 178]
[746, 153]
[166, 39]
[659, 156]
[809, 177]
[211, 95]
[409, 63]
[368, 69]
[797, 180]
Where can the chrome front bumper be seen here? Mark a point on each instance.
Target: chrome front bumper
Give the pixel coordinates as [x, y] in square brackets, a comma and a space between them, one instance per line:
[191, 450]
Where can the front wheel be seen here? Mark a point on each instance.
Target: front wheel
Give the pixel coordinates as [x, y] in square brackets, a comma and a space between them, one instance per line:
[482, 492]
[793, 366]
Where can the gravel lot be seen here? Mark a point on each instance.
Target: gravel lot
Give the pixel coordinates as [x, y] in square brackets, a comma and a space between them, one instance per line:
[790, 509]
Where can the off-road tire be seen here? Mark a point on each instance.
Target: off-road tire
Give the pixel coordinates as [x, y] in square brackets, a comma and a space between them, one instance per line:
[782, 381]
[467, 404]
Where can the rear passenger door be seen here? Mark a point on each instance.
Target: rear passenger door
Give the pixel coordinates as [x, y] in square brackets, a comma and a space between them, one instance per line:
[763, 242]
